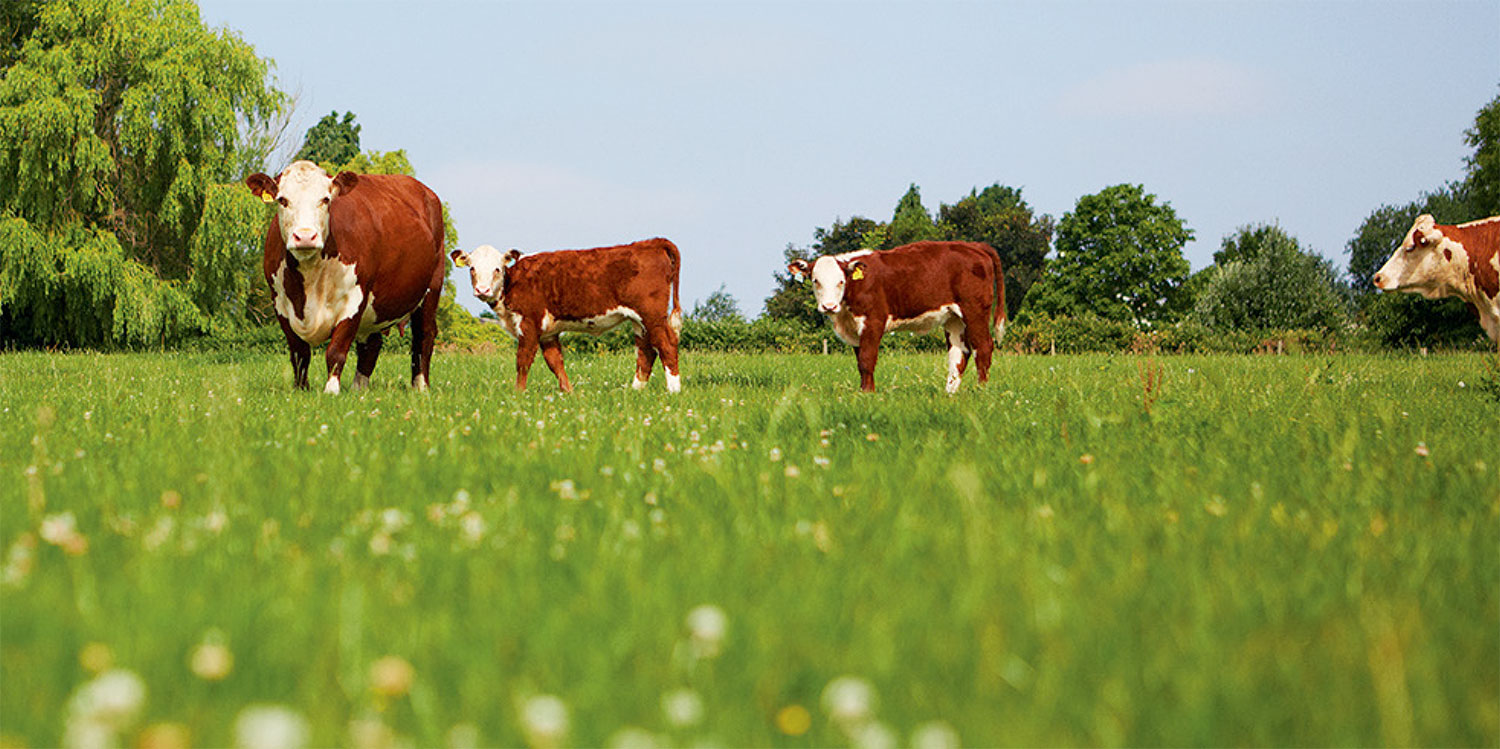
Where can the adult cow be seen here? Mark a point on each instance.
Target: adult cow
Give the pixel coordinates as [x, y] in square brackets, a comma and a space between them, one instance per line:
[537, 297]
[1436, 261]
[915, 287]
[348, 257]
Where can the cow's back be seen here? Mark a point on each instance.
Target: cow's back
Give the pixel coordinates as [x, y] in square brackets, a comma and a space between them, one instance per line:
[924, 276]
[1481, 240]
[577, 284]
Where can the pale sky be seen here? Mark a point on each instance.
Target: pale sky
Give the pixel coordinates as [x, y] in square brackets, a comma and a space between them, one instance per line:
[734, 128]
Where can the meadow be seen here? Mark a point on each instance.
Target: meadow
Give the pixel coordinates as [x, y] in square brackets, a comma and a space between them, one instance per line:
[1090, 550]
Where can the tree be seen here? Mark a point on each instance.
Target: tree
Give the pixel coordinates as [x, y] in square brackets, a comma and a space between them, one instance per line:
[1265, 280]
[1483, 166]
[117, 119]
[1119, 256]
[999, 217]
[910, 223]
[720, 306]
[331, 141]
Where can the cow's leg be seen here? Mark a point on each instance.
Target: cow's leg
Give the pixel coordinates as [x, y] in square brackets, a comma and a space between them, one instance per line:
[338, 349]
[958, 352]
[665, 343]
[645, 359]
[423, 336]
[366, 352]
[552, 353]
[980, 339]
[526, 346]
[301, 354]
[867, 353]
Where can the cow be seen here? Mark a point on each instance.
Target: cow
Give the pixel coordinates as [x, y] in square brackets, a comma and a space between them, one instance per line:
[917, 287]
[541, 295]
[347, 257]
[1437, 260]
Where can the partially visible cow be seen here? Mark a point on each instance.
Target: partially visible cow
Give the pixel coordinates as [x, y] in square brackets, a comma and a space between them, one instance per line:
[537, 297]
[915, 287]
[348, 257]
[1436, 261]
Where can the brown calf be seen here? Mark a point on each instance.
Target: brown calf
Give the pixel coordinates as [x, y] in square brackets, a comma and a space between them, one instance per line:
[348, 257]
[915, 287]
[539, 296]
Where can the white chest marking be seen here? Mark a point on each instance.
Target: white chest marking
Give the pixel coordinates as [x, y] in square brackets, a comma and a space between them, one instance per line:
[848, 326]
[332, 294]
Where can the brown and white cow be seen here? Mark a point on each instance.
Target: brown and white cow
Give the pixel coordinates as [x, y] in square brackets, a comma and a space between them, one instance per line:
[915, 287]
[348, 257]
[1436, 261]
[537, 297]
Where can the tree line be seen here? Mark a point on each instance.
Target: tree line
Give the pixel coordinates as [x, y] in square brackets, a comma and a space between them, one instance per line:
[126, 127]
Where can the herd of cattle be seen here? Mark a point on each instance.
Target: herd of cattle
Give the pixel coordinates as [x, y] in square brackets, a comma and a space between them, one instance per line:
[348, 257]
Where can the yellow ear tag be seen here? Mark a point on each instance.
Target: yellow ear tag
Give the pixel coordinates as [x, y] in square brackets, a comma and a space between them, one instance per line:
[857, 274]
[265, 197]
[460, 262]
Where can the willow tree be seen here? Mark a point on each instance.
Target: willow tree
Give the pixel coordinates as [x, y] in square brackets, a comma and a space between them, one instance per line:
[117, 120]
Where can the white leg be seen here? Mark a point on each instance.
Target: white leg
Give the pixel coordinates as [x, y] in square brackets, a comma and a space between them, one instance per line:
[674, 383]
[955, 355]
[332, 388]
[636, 383]
[419, 383]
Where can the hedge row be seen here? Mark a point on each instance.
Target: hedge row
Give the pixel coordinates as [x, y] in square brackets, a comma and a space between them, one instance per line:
[1043, 335]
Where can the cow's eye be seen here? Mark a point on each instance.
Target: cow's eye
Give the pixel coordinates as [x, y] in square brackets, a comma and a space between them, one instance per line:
[325, 201]
[284, 202]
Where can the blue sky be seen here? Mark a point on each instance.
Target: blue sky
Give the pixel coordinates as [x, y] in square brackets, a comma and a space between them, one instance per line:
[735, 128]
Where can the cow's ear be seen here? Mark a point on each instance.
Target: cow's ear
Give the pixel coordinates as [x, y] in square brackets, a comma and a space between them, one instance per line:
[798, 268]
[262, 187]
[510, 257]
[345, 183]
[460, 260]
[856, 270]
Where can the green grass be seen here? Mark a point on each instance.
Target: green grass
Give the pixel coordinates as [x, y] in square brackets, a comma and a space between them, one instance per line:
[1258, 550]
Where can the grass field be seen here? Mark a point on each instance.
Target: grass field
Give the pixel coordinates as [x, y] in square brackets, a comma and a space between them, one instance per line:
[1090, 550]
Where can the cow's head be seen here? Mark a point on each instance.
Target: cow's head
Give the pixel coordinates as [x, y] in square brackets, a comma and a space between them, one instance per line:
[486, 270]
[302, 194]
[1423, 264]
[831, 277]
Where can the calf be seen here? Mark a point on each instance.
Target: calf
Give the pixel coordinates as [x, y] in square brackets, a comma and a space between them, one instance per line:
[915, 287]
[540, 296]
[1437, 261]
[346, 258]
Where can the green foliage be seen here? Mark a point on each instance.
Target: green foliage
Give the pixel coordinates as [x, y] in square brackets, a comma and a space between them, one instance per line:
[792, 301]
[75, 287]
[999, 217]
[1119, 256]
[117, 119]
[331, 141]
[1265, 280]
[1284, 551]
[910, 223]
[720, 306]
[1483, 166]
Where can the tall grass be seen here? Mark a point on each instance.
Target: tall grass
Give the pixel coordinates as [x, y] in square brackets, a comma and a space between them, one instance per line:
[1090, 550]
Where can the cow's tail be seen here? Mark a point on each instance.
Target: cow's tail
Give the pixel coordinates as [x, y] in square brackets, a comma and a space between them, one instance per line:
[674, 259]
[999, 293]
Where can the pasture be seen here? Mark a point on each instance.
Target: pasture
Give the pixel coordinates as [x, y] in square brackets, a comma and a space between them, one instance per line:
[1097, 550]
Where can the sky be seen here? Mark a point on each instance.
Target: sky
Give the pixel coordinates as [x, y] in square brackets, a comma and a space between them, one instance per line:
[735, 128]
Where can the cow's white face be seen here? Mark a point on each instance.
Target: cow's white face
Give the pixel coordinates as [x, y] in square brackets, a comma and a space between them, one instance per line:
[1426, 263]
[486, 270]
[302, 194]
[829, 281]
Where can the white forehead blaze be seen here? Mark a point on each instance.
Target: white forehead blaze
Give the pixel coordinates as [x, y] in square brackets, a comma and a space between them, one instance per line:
[303, 193]
[485, 266]
[828, 282]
